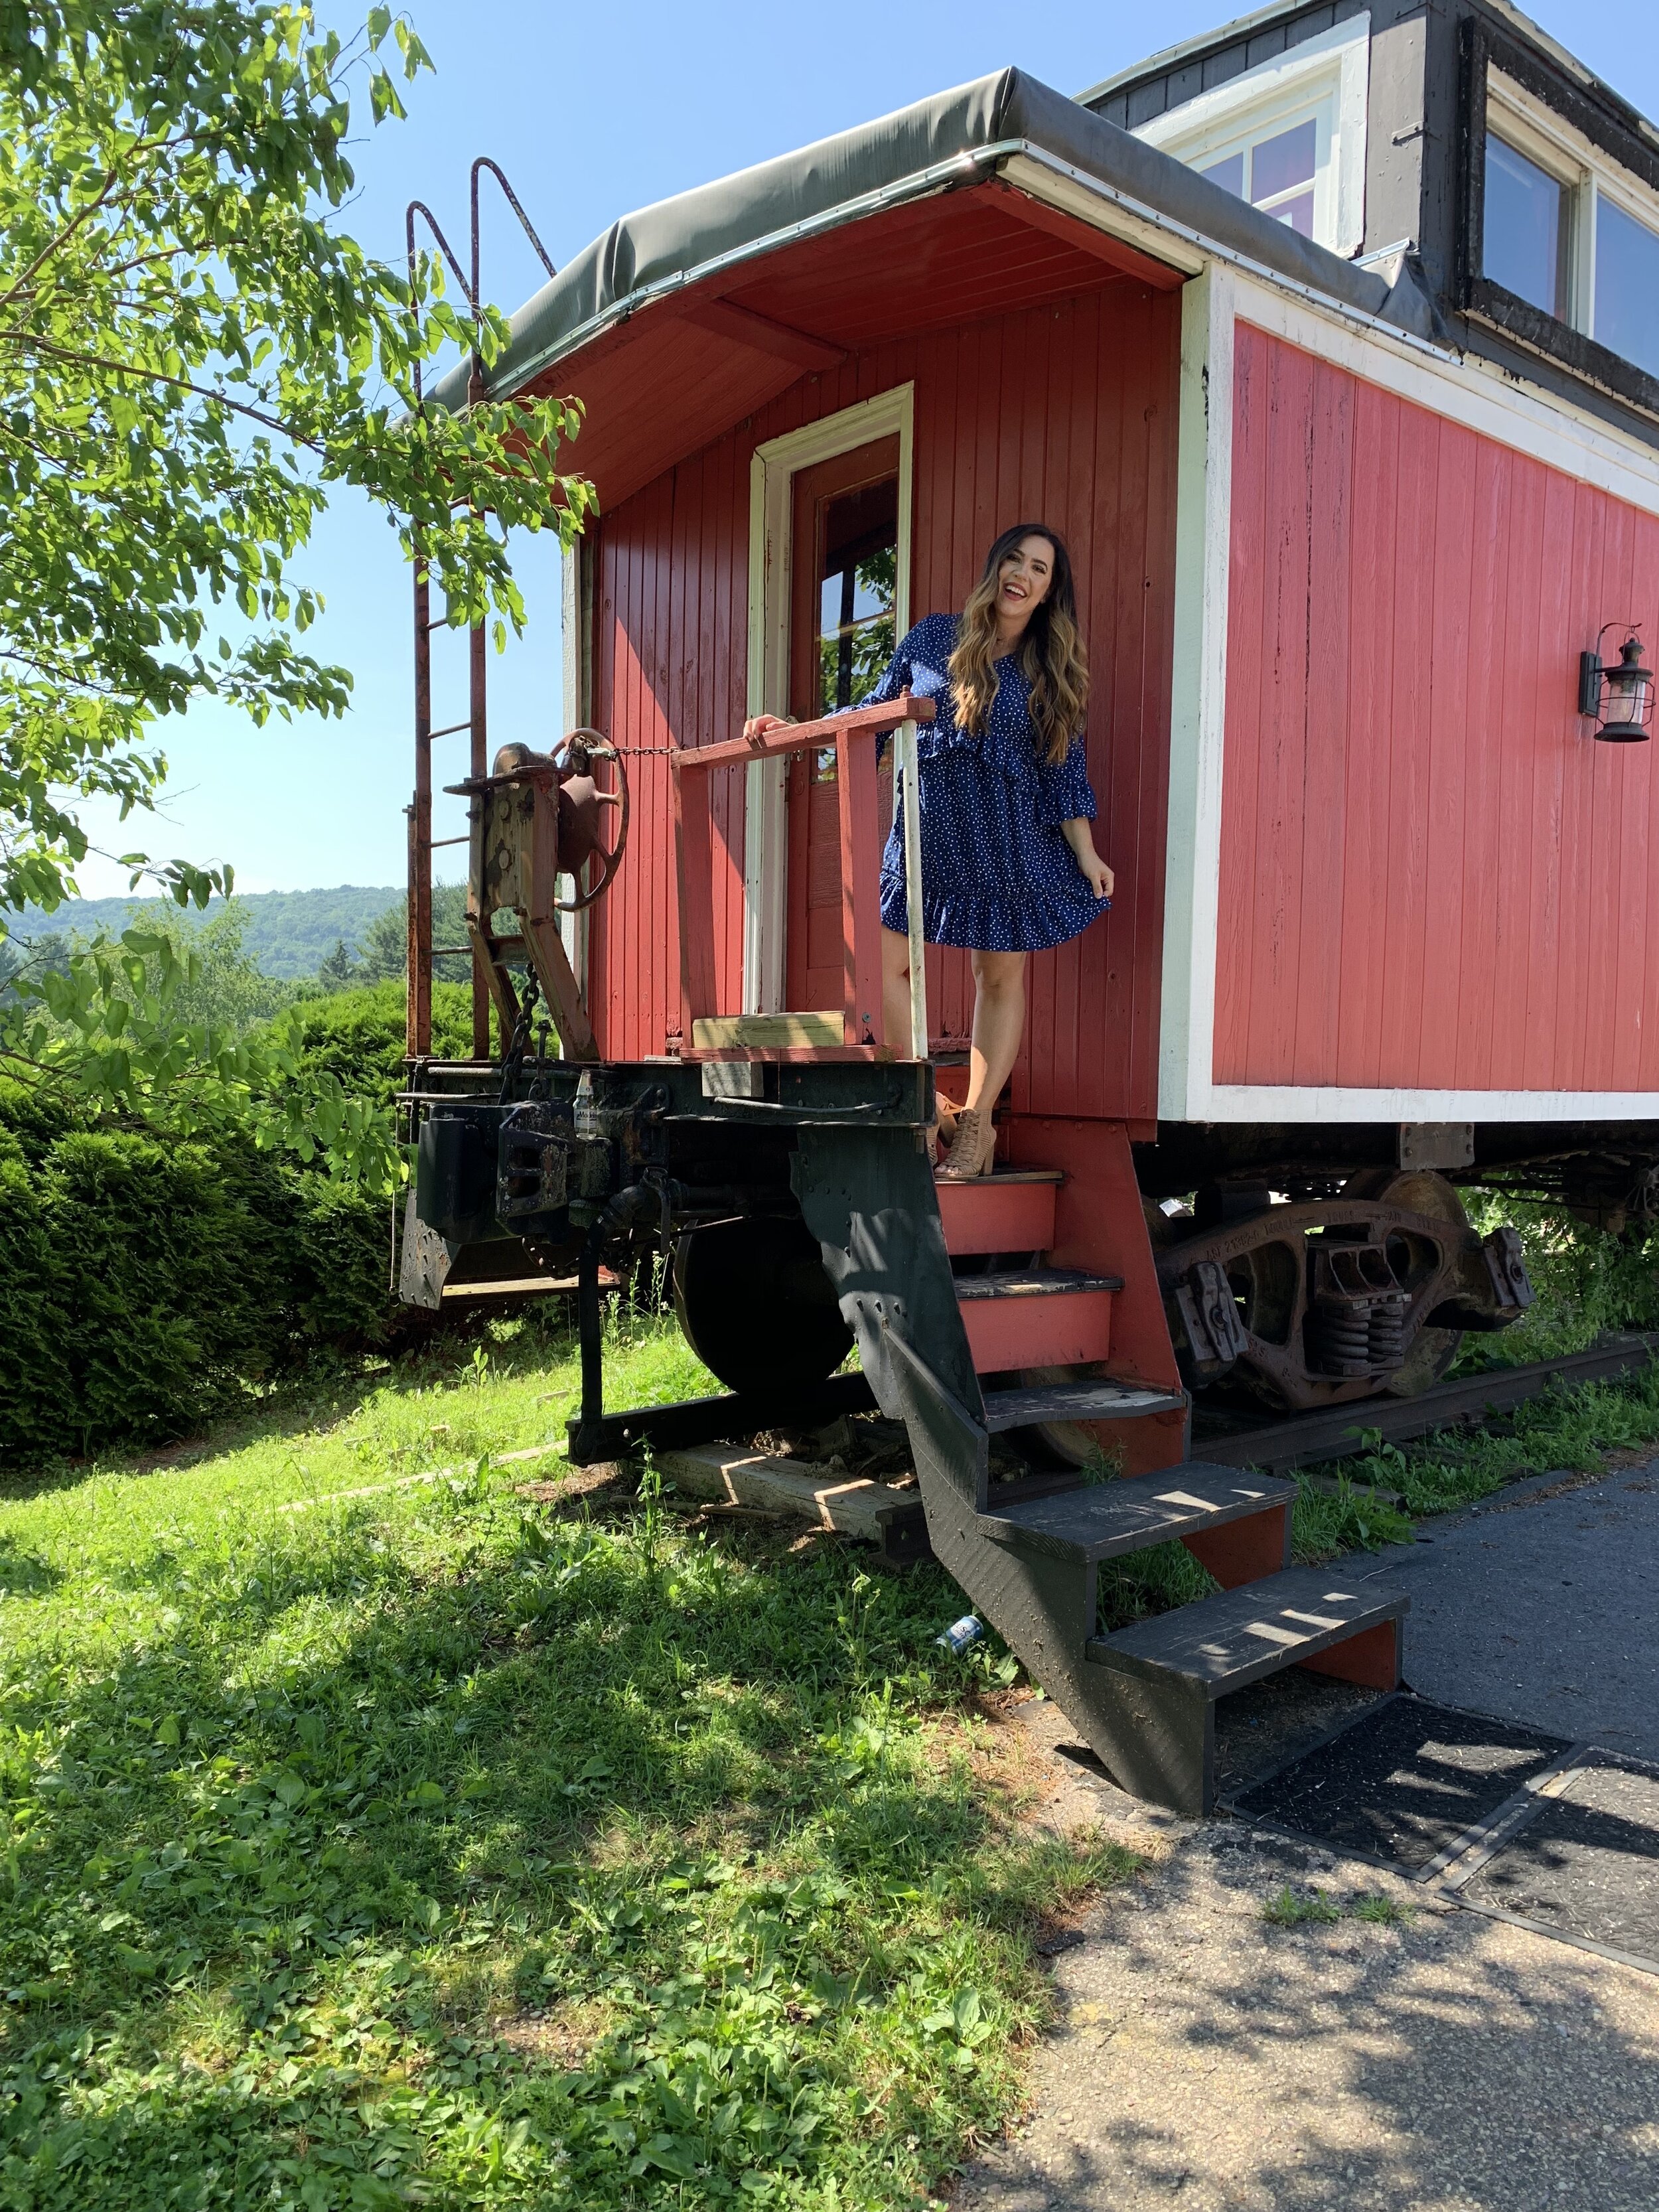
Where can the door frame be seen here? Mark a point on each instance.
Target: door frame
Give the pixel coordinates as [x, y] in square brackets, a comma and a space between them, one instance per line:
[772, 472]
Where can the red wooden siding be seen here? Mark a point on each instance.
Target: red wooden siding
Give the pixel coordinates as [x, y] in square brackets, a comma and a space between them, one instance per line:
[1066, 411]
[1431, 877]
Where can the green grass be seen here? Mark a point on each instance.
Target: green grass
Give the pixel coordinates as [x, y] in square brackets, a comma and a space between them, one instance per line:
[451, 1846]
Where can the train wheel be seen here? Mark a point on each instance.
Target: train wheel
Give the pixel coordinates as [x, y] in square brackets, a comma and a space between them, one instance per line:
[1416, 1191]
[756, 1306]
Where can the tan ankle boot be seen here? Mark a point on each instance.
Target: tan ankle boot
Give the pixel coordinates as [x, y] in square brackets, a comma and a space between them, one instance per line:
[971, 1153]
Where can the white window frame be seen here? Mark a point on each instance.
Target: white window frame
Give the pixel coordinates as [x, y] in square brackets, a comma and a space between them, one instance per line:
[772, 474]
[1326, 78]
[1588, 174]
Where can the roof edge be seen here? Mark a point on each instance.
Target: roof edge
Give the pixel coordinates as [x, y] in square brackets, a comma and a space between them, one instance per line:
[955, 138]
[1186, 50]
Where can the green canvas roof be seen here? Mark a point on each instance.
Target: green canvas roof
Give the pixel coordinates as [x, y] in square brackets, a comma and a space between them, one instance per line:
[950, 139]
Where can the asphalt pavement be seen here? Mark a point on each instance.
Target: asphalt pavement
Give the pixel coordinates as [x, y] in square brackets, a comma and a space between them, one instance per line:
[1409, 2055]
[1542, 1605]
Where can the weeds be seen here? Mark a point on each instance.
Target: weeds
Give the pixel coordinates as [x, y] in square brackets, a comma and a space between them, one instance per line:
[1587, 1282]
[1284, 1909]
[1288, 1908]
[1572, 1430]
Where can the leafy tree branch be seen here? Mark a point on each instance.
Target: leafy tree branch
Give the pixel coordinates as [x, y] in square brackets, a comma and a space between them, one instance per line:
[194, 355]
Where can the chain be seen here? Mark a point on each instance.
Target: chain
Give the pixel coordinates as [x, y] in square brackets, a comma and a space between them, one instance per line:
[512, 1060]
[650, 752]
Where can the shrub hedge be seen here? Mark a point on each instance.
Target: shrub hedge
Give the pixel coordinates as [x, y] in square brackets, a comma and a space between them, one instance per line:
[148, 1284]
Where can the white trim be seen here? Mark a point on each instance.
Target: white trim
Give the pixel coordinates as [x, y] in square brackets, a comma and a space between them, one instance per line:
[1470, 392]
[1198, 690]
[766, 822]
[1057, 184]
[1327, 78]
[1273, 1102]
[1042, 176]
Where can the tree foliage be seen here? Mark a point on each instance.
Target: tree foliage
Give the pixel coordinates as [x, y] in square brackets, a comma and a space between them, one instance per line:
[193, 355]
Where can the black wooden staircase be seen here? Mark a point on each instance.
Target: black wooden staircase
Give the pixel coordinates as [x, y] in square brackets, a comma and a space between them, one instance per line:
[947, 1284]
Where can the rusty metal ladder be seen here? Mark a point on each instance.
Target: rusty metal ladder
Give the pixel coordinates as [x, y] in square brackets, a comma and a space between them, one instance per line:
[422, 843]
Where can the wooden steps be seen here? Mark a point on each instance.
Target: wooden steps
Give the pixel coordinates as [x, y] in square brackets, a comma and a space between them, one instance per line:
[1011, 1212]
[1144, 1698]
[1147, 1696]
[1109, 1519]
[1226, 1641]
[1074, 1402]
[1038, 1317]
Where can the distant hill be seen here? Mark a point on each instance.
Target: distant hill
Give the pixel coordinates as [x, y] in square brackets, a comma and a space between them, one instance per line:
[289, 933]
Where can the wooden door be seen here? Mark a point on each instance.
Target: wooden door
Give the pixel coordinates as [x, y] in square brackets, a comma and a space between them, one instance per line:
[844, 570]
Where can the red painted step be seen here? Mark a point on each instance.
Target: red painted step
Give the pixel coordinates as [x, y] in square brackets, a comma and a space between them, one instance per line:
[1012, 1213]
[1036, 1317]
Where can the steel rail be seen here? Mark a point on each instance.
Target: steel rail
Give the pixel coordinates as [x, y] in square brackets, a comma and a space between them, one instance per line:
[1274, 1447]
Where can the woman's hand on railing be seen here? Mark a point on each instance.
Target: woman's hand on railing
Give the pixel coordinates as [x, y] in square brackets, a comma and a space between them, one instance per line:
[755, 729]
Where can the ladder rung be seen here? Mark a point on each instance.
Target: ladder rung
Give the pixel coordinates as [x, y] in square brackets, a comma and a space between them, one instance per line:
[450, 951]
[433, 843]
[449, 729]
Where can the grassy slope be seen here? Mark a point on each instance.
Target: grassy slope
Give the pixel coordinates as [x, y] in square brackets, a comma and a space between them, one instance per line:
[449, 1845]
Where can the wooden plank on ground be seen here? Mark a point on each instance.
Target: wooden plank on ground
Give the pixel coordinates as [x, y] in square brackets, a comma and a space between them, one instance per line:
[852, 1505]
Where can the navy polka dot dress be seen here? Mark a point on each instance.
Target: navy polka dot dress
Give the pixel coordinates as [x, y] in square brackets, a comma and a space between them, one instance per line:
[997, 874]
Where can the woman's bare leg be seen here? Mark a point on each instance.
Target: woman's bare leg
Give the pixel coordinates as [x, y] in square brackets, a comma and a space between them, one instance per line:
[999, 1023]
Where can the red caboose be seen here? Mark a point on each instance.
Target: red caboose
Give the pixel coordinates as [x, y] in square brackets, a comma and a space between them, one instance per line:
[1382, 916]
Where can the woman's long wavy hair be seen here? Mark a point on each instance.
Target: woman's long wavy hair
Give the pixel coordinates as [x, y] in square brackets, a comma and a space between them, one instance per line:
[1051, 652]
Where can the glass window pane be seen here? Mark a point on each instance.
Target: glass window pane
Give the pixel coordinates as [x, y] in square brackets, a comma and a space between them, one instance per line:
[1522, 247]
[1626, 286]
[1228, 175]
[856, 593]
[1299, 213]
[1279, 164]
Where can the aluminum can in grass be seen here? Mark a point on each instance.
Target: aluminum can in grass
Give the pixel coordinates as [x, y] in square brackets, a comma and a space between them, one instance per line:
[960, 1634]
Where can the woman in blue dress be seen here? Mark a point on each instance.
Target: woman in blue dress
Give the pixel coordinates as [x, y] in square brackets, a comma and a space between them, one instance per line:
[1008, 860]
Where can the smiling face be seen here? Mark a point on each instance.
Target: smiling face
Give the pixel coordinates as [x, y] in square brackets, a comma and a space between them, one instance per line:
[1024, 577]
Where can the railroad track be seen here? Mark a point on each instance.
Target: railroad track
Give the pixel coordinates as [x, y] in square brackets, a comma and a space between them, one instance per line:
[1232, 1439]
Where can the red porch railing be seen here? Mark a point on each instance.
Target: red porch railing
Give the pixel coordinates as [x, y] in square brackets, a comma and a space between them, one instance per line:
[707, 1036]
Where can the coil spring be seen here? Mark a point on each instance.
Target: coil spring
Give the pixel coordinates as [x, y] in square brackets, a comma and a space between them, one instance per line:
[1340, 1338]
[1387, 1335]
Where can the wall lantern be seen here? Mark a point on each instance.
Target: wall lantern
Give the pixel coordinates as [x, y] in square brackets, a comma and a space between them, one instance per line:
[1618, 695]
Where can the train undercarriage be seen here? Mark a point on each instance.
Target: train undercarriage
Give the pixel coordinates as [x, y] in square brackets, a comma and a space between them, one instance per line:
[1297, 1279]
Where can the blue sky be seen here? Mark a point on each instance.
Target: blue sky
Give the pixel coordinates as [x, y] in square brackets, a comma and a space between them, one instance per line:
[593, 111]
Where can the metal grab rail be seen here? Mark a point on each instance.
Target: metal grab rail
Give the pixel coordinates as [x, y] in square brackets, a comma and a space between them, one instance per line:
[863, 1035]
